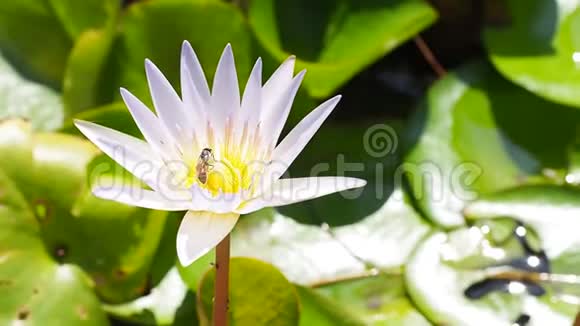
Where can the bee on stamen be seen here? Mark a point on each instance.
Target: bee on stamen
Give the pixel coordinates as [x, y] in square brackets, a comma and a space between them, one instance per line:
[204, 164]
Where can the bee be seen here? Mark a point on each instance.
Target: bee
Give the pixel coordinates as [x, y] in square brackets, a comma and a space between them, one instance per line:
[204, 164]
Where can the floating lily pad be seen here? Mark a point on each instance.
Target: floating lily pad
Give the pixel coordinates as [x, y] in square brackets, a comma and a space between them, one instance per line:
[551, 211]
[37, 35]
[316, 309]
[34, 288]
[156, 30]
[20, 98]
[259, 295]
[367, 150]
[309, 254]
[438, 287]
[87, 81]
[376, 300]
[471, 138]
[113, 243]
[335, 40]
[539, 47]
[169, 303]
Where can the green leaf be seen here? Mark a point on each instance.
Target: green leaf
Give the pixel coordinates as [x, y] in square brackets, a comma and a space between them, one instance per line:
[259, 295]
[473, 141]
[167, 304]
[315, 309]
[20, 98]
[114, 116]
[156, 30]
[552, 211]
[193, 273]
[112, 242]
[539, 48]
[335, 40]
[34, 289]
[310, 254]
[77, 16]
[37, 35]
[366, 150]
[86, 76]
[34, 39]
[437, 286]
[377, 300]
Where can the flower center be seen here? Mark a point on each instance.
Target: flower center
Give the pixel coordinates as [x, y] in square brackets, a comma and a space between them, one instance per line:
[231, 165]
[228, 172]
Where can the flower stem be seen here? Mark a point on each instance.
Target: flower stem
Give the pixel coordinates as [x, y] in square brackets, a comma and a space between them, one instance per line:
[222, 266]
[429, 56]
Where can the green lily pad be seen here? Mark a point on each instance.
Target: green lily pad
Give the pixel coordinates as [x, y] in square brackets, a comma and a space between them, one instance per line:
[437, 286]
[259, 295]
[86, 80]
[316, 309]
[368, 151]
[39, 49]
[77, 17]
[37, 35]
[167, 304]
[114, 116]
[309, 254]
[113, 243]
[551, 210]
[376, 300]
[20, 98]
[34, 288]
[156, 30]
[539, 47]
[471, 140]
[335, 40]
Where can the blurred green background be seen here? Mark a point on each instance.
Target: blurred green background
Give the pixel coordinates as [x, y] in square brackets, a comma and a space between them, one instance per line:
[462, 115]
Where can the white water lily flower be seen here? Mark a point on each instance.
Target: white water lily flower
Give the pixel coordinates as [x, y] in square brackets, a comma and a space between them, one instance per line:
[242, 172]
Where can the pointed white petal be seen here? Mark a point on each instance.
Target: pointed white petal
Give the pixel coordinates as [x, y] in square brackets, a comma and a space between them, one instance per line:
[252, 99]
[195, 108]
[167, 103]
[287, 151]
[189, 60]
[152, 129]
[200, 231]
[289, 191]
[131, 153]
[139, 197]
[278, 83]
[274, 119]
[203, 200]
[225, 94]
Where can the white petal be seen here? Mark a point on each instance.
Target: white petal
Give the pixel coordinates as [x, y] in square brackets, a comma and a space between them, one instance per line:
[189, 60]
[278, 83]
[274, 119]
[152, 129]
[131, 153]
[289, 191]
[252, 99]
[167, 103]
[225, 94]
[139, 197]
[287, 151]
[203, 200]
[200, 231]
[194, 107]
